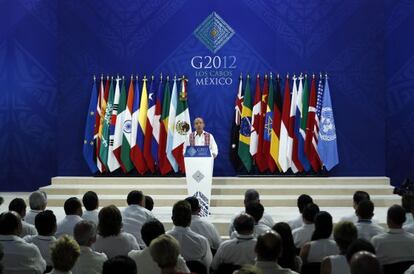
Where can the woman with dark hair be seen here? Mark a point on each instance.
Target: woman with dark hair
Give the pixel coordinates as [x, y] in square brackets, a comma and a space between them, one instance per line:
[288, 259]
[321, 245]
[111, 240]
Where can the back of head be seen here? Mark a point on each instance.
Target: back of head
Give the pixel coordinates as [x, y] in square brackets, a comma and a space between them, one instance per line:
[64, 253]
[365, 210]
[10, 223]
[45, 223]
[149, 203]
[244, 224]
[18, 205]
[309, 212]
[90, 200]
[304, 200]
[288, 247]
[256, 210]
[359, 245]
[194, 203]
[364, 262]
[110, 221]
[73, 206]
[323, 226]
[396, 216]
[85, 233]
[248, 269]
[38, 200]
[151, 230]
[344, 234]
[181, 213]
[268, 246]
[135, 197]
[360, 196]
[119, 264]
[251, 195]
[165, 250]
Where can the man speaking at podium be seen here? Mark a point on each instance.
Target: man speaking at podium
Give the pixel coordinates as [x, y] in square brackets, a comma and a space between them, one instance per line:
[201, 138]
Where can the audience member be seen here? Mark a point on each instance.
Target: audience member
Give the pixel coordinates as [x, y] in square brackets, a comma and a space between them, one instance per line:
[64, 254]
[73, 211]
[288, 257]
[358, 197]
[302, 201]
[366, 228]
[18, 205]
[256, 210]
[248, 269]
[111, 240]
[19, 257]
[364, 262]
[145, 264]
[149, 203]
[194, 247]
[119, 264]
[89, 261]
[201, 225]
[45, 223]
[37, 203]
[396, 245]
[359, 245]
[268, 250]
[240, 250]
[135, 215]
[303, 234]
[1, 248]
[165, 250]
[91, 203]
[321, 244]
[407, 202]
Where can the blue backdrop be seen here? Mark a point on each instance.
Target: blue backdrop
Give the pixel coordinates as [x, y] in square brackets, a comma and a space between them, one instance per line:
[50, 49]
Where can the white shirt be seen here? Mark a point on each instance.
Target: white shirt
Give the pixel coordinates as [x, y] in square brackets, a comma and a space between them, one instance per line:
[339, 264]
[320, 249]
[54, 271]
[353, 218]
[194, 247]
[266, 220]
[273, 268]
[303, 234]
[200, 141]
[91, 215]
[238, 251]
[367, 229]
[295, 223]
[408, 219]
[394, 246]
[410, 270]
[203, 227]
[43, 243]
[146, 265]
[112, 246]
[31, 215]
[28, 229]
[66, 225]
[89, 262]
[20, 257]
[133, 218]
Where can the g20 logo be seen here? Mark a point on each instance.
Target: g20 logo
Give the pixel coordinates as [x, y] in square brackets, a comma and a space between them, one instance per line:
[214, 62]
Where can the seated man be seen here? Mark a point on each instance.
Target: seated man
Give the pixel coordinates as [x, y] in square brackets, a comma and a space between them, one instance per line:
[119, 264]
[135, 215]
[19, 256]
[64, 254]
[303, 234]
[201, 225]
[149, 203]
[90, 201]
[358, 197]
[165, 250]
[366, 228]
[396, 245]
[268, 250]
[256, 210]
[240, 250]
[89, 261]
[194, 247]
[302, 201]
[364, 262]
[37, 203]
[73, 211]
[18, 205]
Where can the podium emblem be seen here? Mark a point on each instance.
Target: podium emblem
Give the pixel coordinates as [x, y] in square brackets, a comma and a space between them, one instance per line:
[191, 151]
[198, 176]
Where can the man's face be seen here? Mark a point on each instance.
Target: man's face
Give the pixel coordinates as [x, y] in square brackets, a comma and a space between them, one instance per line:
[199, 124]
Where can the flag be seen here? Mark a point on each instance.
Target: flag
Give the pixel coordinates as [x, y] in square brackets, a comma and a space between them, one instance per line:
[104, 100]
[149, 160]
[268, 124]
[90, 128]
[302, 115]
[245, 128]
[257, 107]
[142, 121]
[106, 123]
[284, 158]
[261, 160]
[171, 127]
[113, 163]
[163, 162]
[276, 124]
[235, 129]
[182, 126]
[156, 124]
[98, 116]
[296, 165]
[327, 146]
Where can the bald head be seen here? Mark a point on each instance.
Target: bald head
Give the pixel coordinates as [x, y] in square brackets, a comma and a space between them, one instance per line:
[268, 246]
[199, 124]
[364, 262]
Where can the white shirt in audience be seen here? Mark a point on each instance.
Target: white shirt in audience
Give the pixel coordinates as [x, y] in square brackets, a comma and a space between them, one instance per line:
[31, 215]
[112, 246]
[194, 247]
[28, 229]
[54, 271]
[66, 225]
[43, 243]
[89, 261]
[133, 218]
[21, 257]
[146, 265]
[295, 223]
[353, 218]
[260, 228]
[408, 219]
[320, 249]
[303, 234]
[91, 215]
[394, 246]
[367, 229]
[339, 264]
[267, 220]
[203, 227]
[238, 251]
[410, 270]
[273, 268]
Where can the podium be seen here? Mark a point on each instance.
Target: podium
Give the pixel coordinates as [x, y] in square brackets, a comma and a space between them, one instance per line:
[199, 165]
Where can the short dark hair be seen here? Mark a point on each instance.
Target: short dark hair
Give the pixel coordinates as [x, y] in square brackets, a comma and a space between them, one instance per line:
[396, 214]
[303, 200]
[45, 223]
[18, 205]
[365, 209]
[119, 264]
[90, 200]
[251, 195]
[151, 230]
[360, 196]
[359, 245]
[244, 223]
[344, 234]
[268, 246]
[288, 257]
[181, 213]
[310, 211]
[135, 197]
[110, 221]
[194, 203]
[149, 203]
[256, 210]
[323, 226]
[9, 223]
[72, 206]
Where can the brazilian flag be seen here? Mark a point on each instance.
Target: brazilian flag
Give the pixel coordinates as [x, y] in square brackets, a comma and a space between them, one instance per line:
[245, 128]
